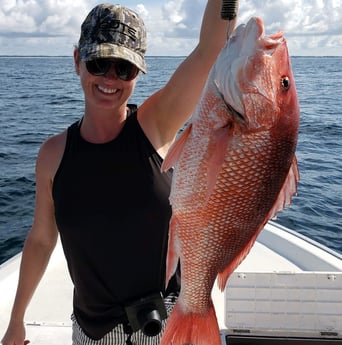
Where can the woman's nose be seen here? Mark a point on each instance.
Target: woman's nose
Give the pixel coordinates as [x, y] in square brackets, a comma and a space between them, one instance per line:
[111, 72]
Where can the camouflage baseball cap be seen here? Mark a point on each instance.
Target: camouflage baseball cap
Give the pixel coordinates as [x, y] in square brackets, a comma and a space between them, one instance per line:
[113, 31]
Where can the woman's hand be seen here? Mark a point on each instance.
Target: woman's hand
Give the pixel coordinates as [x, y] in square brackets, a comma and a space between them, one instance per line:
[15, 334]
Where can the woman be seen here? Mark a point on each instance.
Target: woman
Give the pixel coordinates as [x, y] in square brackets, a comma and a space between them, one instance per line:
[99, 185]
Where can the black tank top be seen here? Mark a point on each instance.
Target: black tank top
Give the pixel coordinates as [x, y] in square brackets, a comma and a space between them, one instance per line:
[112, 212]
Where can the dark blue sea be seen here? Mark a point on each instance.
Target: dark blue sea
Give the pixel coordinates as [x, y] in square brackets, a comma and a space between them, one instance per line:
[40, 96]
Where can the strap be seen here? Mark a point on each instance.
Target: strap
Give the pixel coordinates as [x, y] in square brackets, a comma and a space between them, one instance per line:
[131, 109]
[128, 330]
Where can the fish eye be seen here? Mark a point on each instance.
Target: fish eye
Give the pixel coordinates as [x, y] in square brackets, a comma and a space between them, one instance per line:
[285, 83]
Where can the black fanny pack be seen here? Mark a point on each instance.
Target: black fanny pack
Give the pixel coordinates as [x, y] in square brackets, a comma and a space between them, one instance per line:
[146, 314]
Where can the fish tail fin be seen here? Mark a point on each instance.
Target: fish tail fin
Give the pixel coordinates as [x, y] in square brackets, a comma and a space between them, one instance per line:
[191, 328]
[175, 150]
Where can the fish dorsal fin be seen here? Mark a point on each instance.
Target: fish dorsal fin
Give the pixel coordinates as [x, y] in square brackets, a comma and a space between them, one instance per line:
[225, 274]
[287, 191]
[175, 150]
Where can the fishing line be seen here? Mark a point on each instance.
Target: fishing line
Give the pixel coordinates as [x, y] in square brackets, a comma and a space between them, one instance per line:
[229, 11]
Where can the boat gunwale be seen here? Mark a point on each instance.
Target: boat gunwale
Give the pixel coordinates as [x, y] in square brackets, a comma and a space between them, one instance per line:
[307, 239]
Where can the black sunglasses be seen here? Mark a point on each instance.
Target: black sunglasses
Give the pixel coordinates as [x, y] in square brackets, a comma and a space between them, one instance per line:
[124, 70]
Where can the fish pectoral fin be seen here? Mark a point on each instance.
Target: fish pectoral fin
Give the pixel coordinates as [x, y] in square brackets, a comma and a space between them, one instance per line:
[217, 153]
[287, 191]
[176, 149]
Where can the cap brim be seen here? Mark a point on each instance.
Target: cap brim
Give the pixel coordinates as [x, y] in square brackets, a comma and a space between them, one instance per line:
[109, 50]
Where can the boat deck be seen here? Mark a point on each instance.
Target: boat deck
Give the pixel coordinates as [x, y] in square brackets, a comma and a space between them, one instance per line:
[277, 253]
[51, 305]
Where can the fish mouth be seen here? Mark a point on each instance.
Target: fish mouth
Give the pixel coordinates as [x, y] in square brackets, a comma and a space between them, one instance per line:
[254, 32]
[267, 42]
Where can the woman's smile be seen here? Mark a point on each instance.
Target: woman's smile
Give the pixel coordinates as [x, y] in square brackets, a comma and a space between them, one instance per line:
[107, 90]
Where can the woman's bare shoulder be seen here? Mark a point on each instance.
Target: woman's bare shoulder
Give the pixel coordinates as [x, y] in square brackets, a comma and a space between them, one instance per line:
[51, 153]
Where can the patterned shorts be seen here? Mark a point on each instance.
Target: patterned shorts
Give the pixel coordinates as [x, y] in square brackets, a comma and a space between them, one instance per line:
[117, 335]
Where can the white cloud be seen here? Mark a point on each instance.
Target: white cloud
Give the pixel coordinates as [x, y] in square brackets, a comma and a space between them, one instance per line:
[312, 27]
[172, 11]
[51, 27]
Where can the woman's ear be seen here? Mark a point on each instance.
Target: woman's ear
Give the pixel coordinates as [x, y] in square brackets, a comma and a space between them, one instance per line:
[77, 61]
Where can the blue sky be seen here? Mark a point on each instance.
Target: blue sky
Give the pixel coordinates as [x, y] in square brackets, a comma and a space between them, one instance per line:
[51, 27]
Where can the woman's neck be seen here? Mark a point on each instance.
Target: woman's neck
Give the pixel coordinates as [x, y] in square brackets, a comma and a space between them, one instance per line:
[102, 126]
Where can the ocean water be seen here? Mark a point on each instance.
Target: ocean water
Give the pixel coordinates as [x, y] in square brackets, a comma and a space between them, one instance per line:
[40, 96]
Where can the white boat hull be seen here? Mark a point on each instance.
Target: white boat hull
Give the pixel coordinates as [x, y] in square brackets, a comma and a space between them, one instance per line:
[288, 289]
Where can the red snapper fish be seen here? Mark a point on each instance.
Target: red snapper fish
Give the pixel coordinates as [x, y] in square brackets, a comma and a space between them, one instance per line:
[234, 169]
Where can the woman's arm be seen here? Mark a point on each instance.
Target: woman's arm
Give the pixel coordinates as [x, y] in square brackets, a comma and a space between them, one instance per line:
[40, 241]
[165, 112]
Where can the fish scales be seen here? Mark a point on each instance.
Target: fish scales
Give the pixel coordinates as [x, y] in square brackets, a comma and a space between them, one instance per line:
[244, 193]
[235, 168]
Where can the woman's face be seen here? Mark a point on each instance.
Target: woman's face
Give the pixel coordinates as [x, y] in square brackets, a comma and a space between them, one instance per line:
[105, 92]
